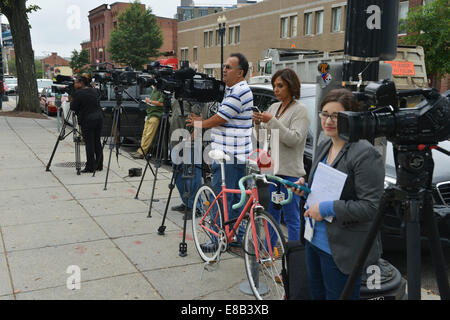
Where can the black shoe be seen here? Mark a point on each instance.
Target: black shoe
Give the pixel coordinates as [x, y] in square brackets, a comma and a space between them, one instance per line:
[179, 208]
[86, 170]
[209, 247]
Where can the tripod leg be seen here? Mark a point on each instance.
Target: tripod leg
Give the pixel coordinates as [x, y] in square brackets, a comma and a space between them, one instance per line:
[437, 255]
[162, 139]
[162, 228]
[413, 250]
[112, 141]
[60, 137]
[142, 179]
[359, 264]
[77, 154]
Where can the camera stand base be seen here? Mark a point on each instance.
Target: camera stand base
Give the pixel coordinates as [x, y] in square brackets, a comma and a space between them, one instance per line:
[161, 230]
[263, 289]
[183, 249]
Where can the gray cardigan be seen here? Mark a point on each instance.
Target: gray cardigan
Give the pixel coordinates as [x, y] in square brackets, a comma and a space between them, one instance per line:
[359, 201]
[292, 127]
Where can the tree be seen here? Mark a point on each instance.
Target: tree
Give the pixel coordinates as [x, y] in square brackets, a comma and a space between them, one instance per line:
[428, 26]
[16, 12]
[80, 62]
[136, 38]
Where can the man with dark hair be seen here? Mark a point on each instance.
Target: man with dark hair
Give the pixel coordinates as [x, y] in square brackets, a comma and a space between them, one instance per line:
[85, 102]
[231, 131]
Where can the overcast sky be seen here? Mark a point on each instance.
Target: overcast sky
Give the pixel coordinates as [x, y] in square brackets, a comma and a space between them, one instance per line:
[60, 26]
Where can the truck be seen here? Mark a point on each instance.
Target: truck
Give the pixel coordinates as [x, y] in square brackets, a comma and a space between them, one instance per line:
[408, 68]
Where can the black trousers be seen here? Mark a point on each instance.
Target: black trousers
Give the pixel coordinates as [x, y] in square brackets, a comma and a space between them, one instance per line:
[91, 131]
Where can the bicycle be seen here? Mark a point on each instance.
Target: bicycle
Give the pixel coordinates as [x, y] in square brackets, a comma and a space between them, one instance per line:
[263, 259]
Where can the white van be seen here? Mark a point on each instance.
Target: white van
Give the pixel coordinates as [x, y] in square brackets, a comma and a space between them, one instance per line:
[43, 83]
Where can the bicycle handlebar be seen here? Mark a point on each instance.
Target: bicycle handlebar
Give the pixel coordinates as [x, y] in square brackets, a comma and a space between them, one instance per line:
[283, 181]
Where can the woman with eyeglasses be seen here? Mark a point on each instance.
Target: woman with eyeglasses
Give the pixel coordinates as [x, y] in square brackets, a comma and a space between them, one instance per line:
[287, 123]
[335, 246]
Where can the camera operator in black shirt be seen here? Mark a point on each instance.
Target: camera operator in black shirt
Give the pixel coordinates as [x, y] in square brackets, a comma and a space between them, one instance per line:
[85, 102]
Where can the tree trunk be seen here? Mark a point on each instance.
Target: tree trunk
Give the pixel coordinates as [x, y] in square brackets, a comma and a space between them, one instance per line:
[26, 74]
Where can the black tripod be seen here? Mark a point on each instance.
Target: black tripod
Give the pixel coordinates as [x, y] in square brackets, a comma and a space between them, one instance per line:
[162, 146]
[114, 142]
[414, 166]
[188, 173]
[76, 140]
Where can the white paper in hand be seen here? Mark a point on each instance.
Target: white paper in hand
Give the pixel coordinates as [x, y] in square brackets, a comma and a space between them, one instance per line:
[328, 185]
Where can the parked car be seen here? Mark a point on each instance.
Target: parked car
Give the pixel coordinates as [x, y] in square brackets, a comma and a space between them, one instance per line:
[392, 232]
[48, 98]
[10, 85]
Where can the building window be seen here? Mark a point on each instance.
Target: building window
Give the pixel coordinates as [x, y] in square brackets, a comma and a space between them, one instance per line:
[293, 26]
[202, 12]
[188, 14]
[211, 38]
[231, 35]
[209, 71]
[308, 23]
[284, 27]
[184, 54]
[238, 34]
[336, 19]
[402, 14]
[205, 39]
[319, 22]
[195, 53]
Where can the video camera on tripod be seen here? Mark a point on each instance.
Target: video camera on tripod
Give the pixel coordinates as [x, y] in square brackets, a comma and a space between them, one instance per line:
[427, 123]
[68, 82]
[414, 132]
[186, 83]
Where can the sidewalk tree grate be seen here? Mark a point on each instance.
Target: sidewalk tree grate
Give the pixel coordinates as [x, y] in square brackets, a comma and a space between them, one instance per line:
[68, 164]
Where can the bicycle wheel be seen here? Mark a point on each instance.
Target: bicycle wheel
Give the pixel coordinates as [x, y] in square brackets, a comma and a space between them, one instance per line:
[206, 219]
[264, 274]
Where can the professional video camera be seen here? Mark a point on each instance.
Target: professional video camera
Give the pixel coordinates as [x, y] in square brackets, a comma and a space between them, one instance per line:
[426, 123]
[67, 81]
[115, 76]
[185, 83]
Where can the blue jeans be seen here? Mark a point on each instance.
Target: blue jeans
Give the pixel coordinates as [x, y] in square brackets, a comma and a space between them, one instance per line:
[326, 281]
[233, 172]
[180, 182]
[291, 213]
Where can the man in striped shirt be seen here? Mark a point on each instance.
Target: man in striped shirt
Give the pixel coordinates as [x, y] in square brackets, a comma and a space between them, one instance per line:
[231, 128]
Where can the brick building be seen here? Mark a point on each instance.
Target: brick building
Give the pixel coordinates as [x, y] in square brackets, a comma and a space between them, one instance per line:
[51, 63]
[301, 24]
[103, 20]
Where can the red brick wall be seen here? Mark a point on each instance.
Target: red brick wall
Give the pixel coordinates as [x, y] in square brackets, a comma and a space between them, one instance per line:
[104, 17]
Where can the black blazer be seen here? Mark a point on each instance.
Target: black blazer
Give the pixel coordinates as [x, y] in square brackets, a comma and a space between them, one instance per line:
[359, 201]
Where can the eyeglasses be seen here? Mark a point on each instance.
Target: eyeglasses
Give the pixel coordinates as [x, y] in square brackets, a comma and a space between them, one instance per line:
[228, 67]
[326, 115]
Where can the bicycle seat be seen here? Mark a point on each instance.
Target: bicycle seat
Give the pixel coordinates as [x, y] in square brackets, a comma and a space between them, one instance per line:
[218, 155]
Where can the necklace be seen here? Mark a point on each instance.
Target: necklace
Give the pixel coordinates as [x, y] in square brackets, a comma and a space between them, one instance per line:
[278, 116]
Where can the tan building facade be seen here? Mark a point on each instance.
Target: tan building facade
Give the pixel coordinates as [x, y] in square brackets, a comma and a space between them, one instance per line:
[300, 24]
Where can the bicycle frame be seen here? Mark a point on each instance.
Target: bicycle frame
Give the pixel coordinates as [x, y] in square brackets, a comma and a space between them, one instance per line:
[250, 205]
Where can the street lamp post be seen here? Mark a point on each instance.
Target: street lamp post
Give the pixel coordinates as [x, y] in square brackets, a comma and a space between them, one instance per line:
[221, 20]
[100, 50]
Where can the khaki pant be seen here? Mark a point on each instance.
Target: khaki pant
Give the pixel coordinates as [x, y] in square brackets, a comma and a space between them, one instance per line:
[150, 128]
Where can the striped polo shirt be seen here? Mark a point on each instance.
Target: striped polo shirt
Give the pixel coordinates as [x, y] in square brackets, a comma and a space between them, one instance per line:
[234, 136]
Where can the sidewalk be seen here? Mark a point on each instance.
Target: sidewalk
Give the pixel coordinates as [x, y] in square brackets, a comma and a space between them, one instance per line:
[50, 221]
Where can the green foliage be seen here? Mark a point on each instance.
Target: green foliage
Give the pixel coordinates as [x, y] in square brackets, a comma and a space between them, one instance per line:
[429, 26]
[80, 62]
[12, 70]
[136, 38]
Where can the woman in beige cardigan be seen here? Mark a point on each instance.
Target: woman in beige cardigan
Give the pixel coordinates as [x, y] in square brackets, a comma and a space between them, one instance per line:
[287, 123]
